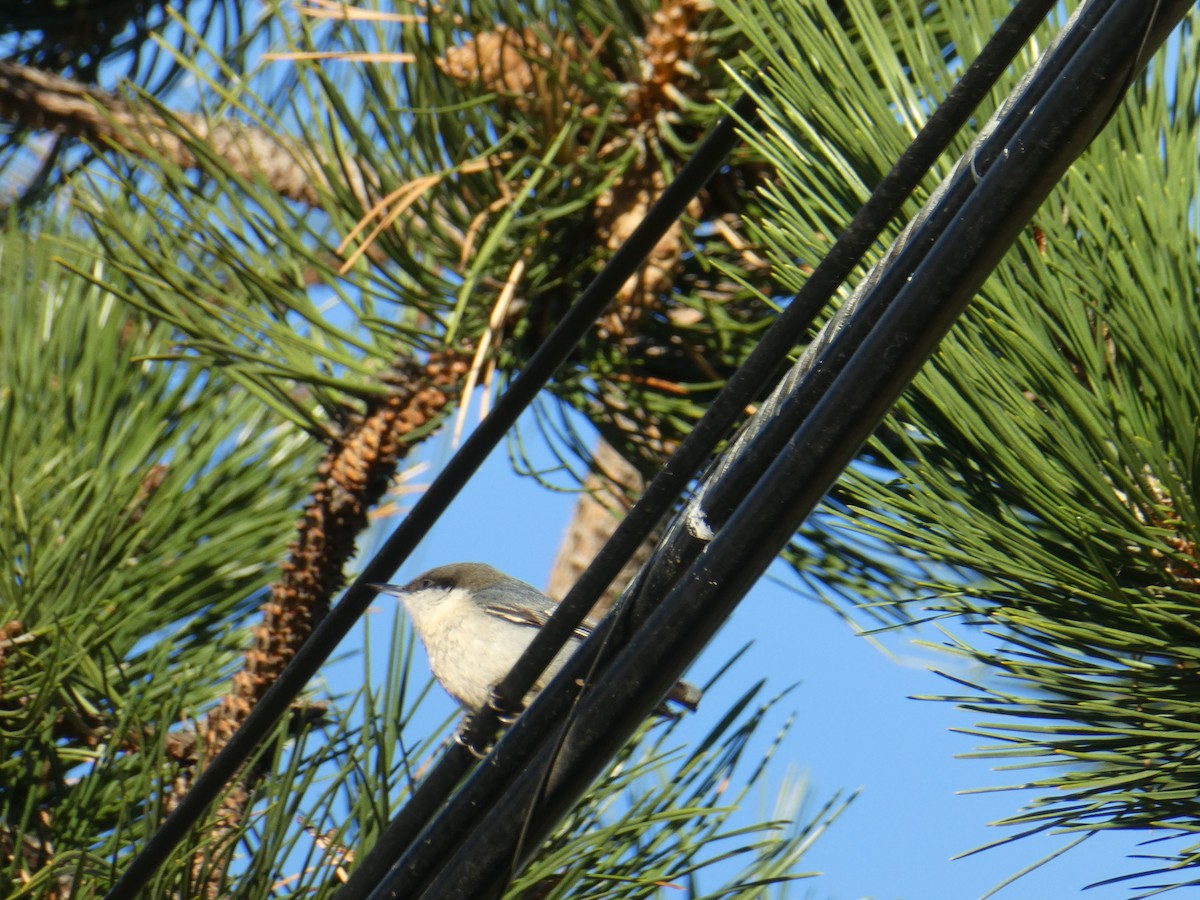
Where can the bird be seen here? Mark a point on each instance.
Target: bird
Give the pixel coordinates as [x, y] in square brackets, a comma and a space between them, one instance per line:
[475, 622]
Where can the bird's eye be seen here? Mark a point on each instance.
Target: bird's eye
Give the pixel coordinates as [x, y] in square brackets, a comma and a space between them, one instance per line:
[427, 583]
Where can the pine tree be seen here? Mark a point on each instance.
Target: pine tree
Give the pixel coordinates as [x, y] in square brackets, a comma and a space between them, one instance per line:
[256, 296]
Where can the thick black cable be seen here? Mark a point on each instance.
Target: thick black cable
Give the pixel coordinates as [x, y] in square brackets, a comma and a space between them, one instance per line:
[1006, 197]
[573, 327]
[742, 387]
[731, 477]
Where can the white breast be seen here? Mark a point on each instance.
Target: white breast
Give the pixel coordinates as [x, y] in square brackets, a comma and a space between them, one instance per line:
[470, 651]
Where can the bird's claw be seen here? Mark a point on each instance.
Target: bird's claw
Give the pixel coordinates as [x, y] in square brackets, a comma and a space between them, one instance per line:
[503, 711]
[460, 738]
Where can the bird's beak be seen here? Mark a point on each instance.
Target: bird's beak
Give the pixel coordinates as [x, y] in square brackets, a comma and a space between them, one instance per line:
[393, 589]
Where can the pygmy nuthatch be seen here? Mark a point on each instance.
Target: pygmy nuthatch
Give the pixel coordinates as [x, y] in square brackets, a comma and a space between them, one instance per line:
[475, 623]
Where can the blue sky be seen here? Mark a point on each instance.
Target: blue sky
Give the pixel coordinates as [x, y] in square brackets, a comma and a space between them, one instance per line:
[857, 724]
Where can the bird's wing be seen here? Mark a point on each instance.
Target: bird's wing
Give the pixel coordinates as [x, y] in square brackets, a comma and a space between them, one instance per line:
[533, 608]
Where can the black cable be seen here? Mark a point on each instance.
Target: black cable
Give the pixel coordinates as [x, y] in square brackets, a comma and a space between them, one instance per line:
[736, 472]
[743, 386]
[1054, 134]
[575, 324]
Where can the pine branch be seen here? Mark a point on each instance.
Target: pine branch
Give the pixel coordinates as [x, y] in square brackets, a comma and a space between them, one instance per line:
[38, 100]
